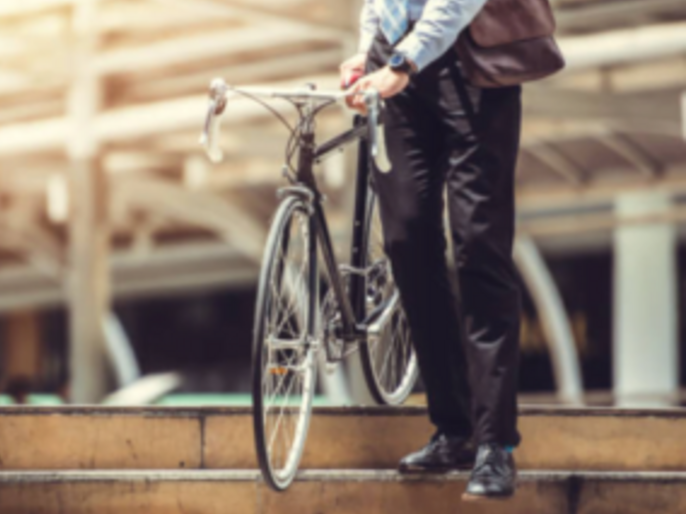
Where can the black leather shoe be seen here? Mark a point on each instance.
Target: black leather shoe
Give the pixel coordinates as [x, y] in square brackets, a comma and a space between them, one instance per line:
[443, 453]
[494, 475]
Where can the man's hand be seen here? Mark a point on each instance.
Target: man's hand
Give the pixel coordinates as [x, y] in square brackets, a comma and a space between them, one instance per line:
[356, 64]
[386, 81]
[351, 70]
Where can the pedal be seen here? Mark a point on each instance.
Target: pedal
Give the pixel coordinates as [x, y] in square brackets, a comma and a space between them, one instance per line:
[351, 270]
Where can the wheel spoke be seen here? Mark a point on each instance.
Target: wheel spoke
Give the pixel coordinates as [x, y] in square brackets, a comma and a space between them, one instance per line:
[391, 363]
[286, 383]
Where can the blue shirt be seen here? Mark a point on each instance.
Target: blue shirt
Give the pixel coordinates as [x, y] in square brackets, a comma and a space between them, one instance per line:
[438, 23]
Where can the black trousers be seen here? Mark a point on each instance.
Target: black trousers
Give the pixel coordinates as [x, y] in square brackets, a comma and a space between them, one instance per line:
[444, 133]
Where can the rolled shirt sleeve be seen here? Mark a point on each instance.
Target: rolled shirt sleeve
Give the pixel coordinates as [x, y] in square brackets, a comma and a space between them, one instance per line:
[369, 22]
[437, 29]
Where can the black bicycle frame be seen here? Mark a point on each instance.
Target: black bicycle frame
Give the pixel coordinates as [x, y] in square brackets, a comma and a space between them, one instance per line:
[352, 303]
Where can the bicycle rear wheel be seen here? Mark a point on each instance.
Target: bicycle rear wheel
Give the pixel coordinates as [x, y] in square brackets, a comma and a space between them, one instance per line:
[389, 361]
[283, 358]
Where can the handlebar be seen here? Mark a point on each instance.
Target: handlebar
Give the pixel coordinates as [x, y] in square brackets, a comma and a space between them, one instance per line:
[215, 109]
[218, 97]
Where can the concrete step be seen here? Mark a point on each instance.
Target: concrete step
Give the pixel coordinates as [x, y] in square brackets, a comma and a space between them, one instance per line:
[358, 438]
[332, 492]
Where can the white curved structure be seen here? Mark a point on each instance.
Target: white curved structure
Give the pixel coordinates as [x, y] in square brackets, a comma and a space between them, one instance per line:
[554, 320]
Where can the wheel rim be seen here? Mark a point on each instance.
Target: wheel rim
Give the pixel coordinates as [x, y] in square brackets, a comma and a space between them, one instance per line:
[392, 357]
[287, 362]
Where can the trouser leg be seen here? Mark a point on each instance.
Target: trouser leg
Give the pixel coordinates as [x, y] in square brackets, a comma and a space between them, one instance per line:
[411, 207]
[483, 128]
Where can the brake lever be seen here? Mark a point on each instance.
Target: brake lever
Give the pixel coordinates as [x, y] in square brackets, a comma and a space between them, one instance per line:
[216, 107]
[377, 137]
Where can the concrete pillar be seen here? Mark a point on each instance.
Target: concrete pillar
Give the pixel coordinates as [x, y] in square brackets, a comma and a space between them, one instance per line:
[88, 227]
[646, 364]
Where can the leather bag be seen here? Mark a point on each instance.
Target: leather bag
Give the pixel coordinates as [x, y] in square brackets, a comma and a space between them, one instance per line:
[510, 42]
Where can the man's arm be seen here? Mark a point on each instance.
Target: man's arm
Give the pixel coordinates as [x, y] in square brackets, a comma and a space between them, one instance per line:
[437, 29]
[369, 22]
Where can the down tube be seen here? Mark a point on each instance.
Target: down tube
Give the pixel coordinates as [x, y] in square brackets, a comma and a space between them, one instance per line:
[331, 264]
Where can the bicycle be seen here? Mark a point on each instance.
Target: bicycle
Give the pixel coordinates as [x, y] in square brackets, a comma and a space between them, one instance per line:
[361, 309]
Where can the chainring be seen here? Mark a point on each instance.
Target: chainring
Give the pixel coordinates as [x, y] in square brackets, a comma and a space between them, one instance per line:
[378, 286]
[331, 323]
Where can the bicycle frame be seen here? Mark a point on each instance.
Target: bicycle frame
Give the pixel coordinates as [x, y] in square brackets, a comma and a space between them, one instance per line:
[352, 303]
[289, 337]
[373, 147]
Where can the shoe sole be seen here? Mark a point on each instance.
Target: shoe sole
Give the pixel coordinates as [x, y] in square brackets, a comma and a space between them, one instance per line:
[475, 498]
[409, 470]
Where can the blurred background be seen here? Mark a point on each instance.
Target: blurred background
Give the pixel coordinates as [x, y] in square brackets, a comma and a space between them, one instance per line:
[128, 263]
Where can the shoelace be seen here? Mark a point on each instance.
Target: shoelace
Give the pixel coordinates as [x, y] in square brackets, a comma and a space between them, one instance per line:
[433, 442]
[490, 461]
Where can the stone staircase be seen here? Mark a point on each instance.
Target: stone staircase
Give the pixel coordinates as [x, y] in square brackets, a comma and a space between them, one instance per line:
[178, 460]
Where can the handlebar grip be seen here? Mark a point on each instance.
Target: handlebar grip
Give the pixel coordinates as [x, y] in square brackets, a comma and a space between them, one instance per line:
[351, 78]
[210, 136]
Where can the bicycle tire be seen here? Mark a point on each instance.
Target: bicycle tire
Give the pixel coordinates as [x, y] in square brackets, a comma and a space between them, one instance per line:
[386, 392]
[269, 347]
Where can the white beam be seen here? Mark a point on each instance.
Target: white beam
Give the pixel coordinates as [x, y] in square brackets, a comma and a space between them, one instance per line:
[577, 224]
[149, 17]
[599, 15]
[672, 181]
[560, 130]
[218, 44]
[655, 113]
[31, 7]
[199, 208]
[134, 123]
[174, 271]
[34, 136]
[39, 109]
[557, 162]
[666, 74]
[126, 162]
[12, 46]
[304, 63]
[44, 259]
[643, 163]
[255, 14]
[624, 46]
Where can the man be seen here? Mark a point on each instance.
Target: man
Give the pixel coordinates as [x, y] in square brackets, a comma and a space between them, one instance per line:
[443, 132]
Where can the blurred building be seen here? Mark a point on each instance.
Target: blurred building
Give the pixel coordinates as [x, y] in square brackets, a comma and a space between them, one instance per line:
[125, 254]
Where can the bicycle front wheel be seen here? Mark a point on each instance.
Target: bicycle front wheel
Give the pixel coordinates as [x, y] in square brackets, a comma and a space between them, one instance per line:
[389, 361]
[283, 356]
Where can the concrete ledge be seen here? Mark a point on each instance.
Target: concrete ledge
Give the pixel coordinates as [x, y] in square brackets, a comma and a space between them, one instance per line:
[222, 438]
[332, 492]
